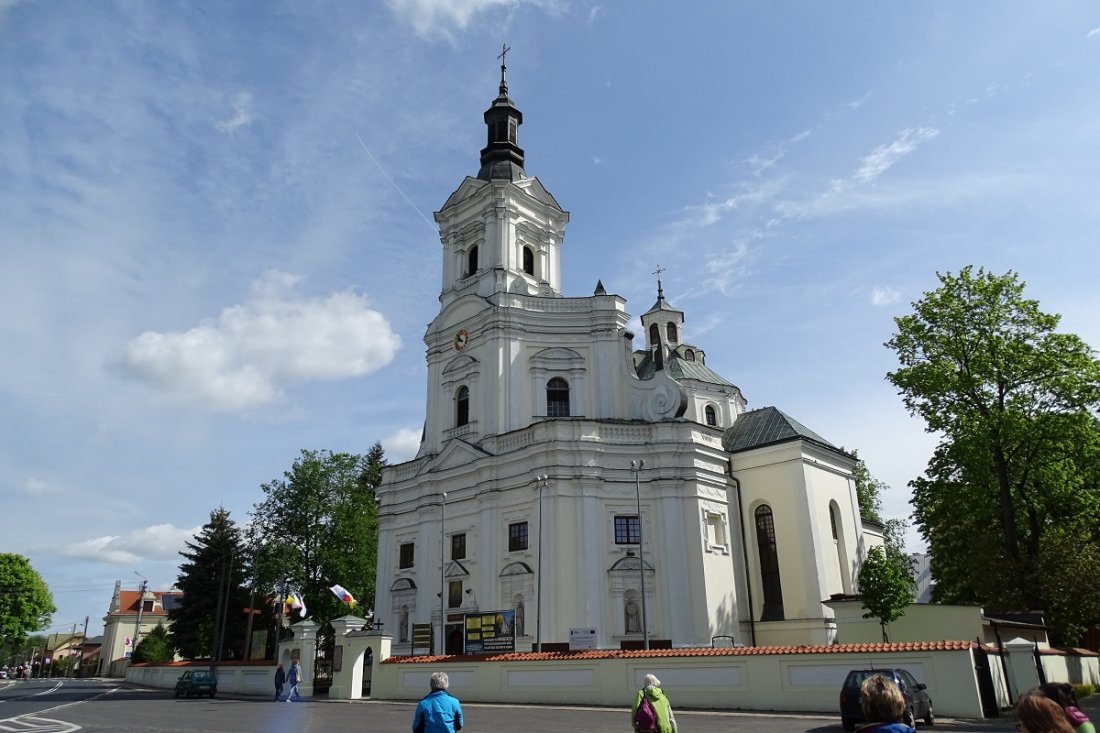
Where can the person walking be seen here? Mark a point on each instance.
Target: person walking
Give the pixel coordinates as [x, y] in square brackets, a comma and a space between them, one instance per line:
[1063, 694]
[651, 711]
[293, 679]
[280, 680]
[1037, 713]
[438, 711]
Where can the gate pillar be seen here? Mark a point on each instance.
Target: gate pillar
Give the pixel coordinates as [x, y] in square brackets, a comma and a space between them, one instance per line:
[353, 642]
[301, 646]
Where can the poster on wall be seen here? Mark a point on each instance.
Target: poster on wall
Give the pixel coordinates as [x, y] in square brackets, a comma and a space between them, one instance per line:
[492, 632]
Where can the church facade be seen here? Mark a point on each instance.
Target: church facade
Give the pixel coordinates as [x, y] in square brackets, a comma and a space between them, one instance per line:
[583, 483]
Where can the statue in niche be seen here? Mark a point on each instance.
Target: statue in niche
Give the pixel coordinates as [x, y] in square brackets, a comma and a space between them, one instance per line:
[633, 617]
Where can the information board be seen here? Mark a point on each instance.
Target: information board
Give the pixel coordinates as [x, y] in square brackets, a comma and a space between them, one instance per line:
[582, 638]
[492, 632]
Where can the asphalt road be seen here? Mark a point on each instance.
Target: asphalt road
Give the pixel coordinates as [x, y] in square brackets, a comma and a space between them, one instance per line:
[61, 706]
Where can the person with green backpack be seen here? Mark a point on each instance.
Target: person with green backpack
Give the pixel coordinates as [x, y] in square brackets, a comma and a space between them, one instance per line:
[651, 712]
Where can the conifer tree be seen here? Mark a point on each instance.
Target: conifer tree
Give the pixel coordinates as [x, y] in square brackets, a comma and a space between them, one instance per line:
[214, 588]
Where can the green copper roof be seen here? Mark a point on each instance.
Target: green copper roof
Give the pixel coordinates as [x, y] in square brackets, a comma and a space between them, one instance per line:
[765, 427]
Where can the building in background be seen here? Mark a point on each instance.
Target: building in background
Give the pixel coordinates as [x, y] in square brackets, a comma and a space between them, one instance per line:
[131, 616]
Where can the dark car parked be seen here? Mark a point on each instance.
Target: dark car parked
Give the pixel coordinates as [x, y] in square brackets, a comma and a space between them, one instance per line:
[197, 682]
[917, 702]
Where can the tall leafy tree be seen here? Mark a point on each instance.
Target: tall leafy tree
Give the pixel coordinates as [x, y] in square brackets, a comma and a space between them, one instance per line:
[1010, 501]
[318, 526]
[869, 491]
[25, 601]
[211, 614]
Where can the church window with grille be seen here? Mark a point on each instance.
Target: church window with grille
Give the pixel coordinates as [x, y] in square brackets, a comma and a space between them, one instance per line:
[462, 406]
[458, 546]
[627, 530]
[711, 416]
[654, 334]
[557, 398]
[517, 536]
[670, 329]
[769, 565]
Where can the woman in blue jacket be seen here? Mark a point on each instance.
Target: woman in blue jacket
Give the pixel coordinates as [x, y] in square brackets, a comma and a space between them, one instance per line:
[439, 712]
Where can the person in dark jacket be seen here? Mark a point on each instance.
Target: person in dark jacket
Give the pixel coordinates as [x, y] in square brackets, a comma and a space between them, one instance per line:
[883, 706]
[280, 680]
[651, 690]
[439, 711]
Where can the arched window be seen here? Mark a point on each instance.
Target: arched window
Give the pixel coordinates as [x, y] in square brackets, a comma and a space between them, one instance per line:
[654, 334]
[403, 626]
[769, 565]
[711, 415]
[462, 406]
[832, 521]
[471, 261]
[670, 329]
[557, 398]
[528, 261]
[689, 354]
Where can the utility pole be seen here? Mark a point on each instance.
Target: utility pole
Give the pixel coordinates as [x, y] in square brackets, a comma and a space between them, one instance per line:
[141, 606]
[83, 643]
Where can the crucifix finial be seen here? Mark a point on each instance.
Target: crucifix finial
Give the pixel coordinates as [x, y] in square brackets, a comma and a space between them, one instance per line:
[660, 290]
[504, 49]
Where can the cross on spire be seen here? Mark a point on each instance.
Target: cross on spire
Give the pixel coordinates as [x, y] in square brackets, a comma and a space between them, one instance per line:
[504, 49]
[660, 290]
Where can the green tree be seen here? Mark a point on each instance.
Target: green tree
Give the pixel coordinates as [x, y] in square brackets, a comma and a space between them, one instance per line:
[1009, 503]
[318, 527]
[869, 491]
[25, 601]
[216, 564]
[155, 647]
[886, 585]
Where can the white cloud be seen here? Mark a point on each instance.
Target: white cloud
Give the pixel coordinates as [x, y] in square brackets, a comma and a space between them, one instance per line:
[593, 13]
[402, 445]
[726, 270]
[242, 113]
[1093, 33]
[243, 359]
[882, 158]
[157, 542]
[884, 296]
[701, 215]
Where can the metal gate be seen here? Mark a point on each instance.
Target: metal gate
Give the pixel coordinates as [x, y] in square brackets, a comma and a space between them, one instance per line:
[986, 692]
[322, 663]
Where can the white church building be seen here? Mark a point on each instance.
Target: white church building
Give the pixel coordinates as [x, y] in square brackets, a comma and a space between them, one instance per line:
[591, 479]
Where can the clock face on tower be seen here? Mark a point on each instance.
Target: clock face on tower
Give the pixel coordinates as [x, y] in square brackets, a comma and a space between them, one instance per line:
[461, 339]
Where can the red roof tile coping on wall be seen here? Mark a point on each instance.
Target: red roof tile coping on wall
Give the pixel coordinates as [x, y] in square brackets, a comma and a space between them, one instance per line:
[905, 646]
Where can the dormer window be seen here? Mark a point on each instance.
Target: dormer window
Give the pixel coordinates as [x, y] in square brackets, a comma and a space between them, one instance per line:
[711, 416]
[689, 355]
[471, 261]
[528, 261]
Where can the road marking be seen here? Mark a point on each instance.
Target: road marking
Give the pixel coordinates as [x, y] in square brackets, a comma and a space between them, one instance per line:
[34, 724]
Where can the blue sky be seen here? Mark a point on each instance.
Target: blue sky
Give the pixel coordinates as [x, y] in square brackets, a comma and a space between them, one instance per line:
[217, 245]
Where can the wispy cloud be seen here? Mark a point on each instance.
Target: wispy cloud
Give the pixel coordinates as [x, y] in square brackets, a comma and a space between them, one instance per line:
[881, 296]
[882, 158]
[726, 270]
[242, 114]
[709, 212]
[440, 17]
[242, 359]
[1093, 33]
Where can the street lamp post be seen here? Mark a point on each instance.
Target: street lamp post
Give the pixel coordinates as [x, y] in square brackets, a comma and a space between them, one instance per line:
[541, 483]
[442, 570]
[636, 467]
